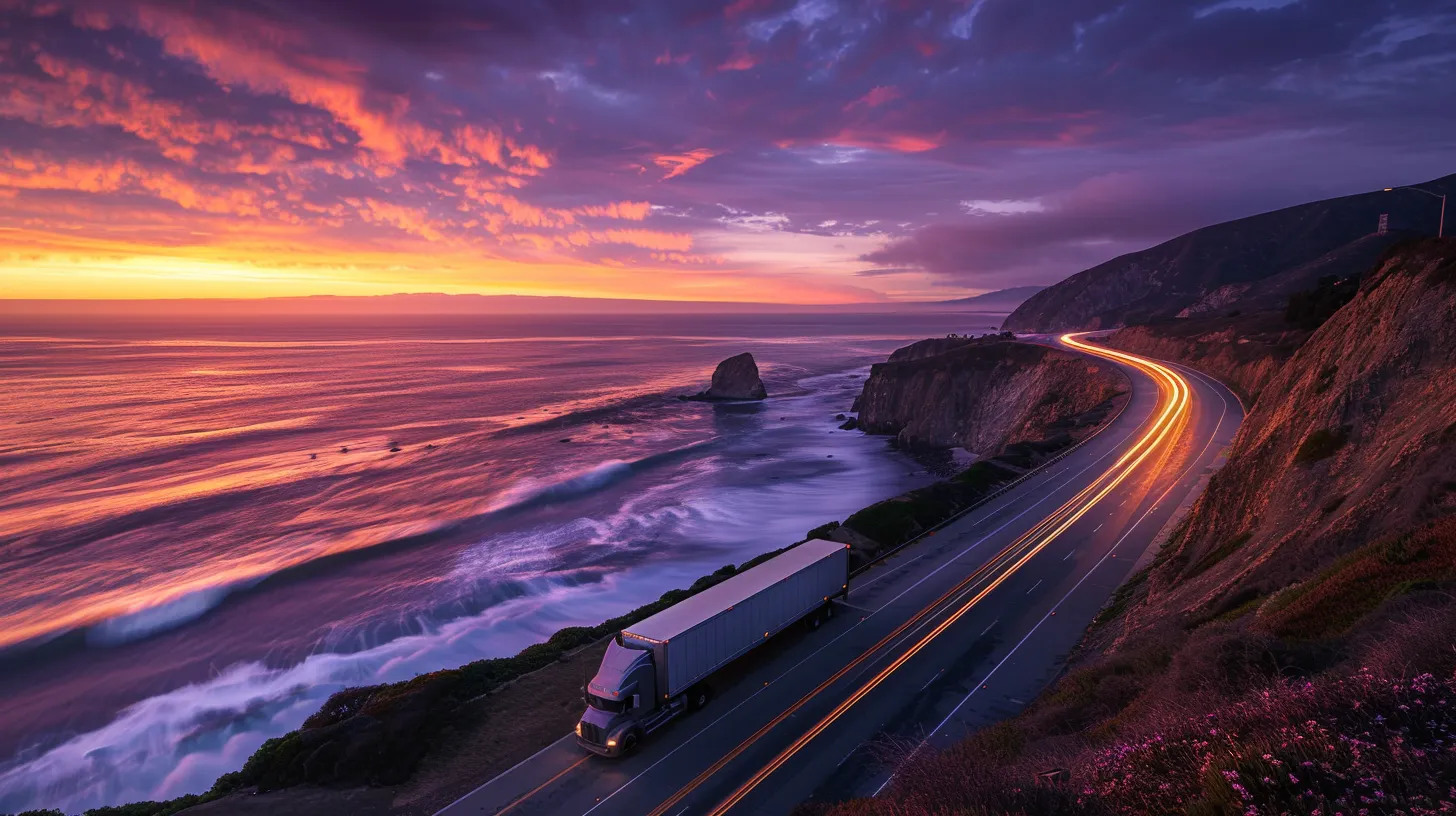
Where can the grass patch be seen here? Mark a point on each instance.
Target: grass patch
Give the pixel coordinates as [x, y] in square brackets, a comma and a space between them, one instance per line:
[1322, 444]
[1359, 582]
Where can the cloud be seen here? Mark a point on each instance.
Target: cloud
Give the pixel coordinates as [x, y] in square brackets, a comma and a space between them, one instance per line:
[911, 146]
[678, 163]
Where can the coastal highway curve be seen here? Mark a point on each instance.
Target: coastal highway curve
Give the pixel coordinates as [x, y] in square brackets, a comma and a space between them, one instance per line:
[957, 631]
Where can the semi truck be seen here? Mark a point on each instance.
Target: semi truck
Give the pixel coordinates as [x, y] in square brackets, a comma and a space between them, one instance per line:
[658, 668]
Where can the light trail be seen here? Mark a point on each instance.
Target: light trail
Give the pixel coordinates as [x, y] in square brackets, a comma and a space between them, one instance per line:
[998, 570]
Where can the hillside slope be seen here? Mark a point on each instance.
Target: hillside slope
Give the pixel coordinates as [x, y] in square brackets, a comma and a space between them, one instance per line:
[1244, 352]
[1255, 260]
[1360, 443]
[1292, 648]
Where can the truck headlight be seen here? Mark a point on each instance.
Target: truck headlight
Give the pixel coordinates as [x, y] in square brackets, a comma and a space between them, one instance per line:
[611, 743]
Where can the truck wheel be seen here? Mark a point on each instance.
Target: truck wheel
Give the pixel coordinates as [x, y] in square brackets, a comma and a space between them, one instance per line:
[630, 740]
[698, 698]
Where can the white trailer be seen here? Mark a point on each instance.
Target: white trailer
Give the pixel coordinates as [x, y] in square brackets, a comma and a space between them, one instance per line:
[658, 667]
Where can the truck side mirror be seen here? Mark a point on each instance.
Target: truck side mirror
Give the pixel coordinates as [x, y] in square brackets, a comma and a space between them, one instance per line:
[636, 701]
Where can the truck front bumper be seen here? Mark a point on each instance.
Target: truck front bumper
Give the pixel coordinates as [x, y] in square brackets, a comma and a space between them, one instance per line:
[599, 750]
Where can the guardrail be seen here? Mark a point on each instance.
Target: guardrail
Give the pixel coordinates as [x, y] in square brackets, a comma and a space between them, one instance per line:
[998, 492]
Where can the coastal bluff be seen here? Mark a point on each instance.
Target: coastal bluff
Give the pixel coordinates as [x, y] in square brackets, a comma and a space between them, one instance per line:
[736, 378]
[979, 394]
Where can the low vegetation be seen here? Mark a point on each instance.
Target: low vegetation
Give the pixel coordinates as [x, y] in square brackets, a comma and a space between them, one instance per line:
[892, 522]
[1348, 590]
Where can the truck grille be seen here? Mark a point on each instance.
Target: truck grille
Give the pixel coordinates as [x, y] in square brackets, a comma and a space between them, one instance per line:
[593, 734]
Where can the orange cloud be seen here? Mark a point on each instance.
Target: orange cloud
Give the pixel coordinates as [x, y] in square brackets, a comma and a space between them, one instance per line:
[877, 96]
[741, 60]
[380, 120]
[678, 163]
[413, 221]
[688, 258]
[625, 210]
[122, 176]
[646, 239]
[899, 142]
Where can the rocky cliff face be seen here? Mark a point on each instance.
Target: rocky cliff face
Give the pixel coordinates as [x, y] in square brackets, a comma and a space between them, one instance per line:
[979, 395]
[1244, 353]
[1360, 444]
[736, 378]
[1255, 261]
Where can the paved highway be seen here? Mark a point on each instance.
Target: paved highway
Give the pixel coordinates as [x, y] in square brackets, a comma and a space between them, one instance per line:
[956, 631]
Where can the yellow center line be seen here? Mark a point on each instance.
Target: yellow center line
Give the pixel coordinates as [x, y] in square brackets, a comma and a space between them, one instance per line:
[1173, 415]
[516, 802]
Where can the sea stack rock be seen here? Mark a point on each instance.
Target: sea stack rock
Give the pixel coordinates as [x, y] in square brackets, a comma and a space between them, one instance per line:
[736, 378]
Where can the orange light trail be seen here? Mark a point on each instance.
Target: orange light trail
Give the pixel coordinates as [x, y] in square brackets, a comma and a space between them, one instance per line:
[1175, 393]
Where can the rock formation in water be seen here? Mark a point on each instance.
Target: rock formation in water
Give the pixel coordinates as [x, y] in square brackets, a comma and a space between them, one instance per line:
[736, 378]
[979, 394]
[1251, 263]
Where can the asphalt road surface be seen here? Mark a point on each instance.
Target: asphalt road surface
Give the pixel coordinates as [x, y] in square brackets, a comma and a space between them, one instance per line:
[955, 632]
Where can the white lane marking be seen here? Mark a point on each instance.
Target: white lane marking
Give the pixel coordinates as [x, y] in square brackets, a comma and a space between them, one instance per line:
[936, 676]
[989, 628]
[1098, 527]
[1088, 574]
[990, 516]
[1069, 555]
[1034, 586]
[852, 627]
[1217, 388]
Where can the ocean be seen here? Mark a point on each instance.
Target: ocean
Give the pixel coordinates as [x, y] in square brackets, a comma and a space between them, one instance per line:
[207, 527]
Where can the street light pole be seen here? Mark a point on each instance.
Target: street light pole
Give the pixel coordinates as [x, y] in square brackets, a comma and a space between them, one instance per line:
[1441, 226]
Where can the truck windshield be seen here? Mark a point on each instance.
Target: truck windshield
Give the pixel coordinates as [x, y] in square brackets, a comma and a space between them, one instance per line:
[604, 704]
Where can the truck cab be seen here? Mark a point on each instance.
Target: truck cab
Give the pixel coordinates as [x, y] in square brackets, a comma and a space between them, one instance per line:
[620, 701]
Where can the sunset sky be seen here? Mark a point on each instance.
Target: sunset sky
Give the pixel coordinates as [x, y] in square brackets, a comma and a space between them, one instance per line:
[803, 151]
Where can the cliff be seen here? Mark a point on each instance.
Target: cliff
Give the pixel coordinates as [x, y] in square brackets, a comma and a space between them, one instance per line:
[1252, 262]
[1244, 352]
[979, 394]
[1360, 444]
